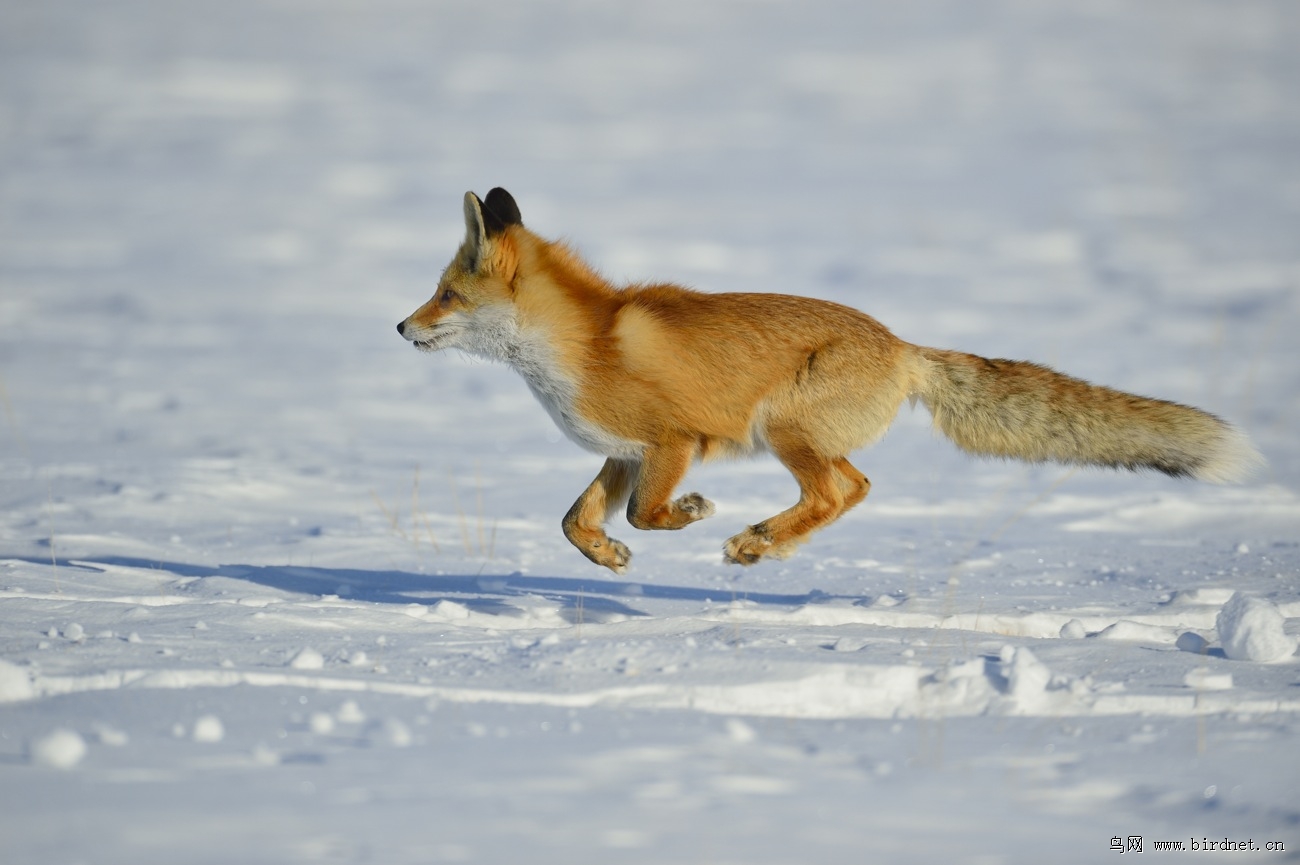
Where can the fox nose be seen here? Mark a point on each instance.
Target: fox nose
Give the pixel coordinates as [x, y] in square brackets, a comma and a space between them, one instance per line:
[401, 328]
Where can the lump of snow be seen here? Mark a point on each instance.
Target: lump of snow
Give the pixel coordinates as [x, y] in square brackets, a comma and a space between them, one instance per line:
[1190, 641]
[209, 729]
[1073, 630]
[111, 736]
[308, 659]
[1205, 679]
[1027, 677]
[740, 732]
[450, 611]
[59, 749]
[321, 723]
[74, 632]
[15, 683]
[1137, 632]
[264, 755]
[1253, 629]
[1210, 596]
[350, 713]
[961, 687]
[391, 732]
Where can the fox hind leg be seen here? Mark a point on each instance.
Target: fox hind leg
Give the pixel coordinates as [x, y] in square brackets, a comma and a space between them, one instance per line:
[853, 483]
[827, 488]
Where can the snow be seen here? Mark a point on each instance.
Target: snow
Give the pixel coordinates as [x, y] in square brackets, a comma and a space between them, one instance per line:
[307, 659]
[58, 749]
[1253, 629]
[1205, 678]
[276, 588]
[15, 683]
[209, 729]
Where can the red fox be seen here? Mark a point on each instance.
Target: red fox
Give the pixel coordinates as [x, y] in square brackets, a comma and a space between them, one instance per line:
[655, 377]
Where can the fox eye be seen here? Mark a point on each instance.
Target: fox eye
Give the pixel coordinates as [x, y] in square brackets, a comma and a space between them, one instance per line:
[447, 297]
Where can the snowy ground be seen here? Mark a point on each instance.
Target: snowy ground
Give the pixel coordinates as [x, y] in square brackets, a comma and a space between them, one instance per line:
[276, 588]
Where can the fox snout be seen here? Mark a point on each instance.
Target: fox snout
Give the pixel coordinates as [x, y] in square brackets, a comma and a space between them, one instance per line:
[426, 336]
[413, 333]
[409, 332]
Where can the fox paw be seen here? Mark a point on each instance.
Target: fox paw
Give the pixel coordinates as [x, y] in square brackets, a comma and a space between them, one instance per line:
[695, 505]
[612, 554]
[747, 547]
[785, 549]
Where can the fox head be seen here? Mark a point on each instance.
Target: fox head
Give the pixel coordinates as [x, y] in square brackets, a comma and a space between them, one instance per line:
[473, 307]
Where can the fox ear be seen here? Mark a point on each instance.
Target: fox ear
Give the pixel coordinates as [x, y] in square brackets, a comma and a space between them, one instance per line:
[499, 211]
[475, 229]
[485, 220]
[476, 232]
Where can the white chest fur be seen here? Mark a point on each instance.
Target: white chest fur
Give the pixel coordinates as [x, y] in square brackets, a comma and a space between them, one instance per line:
[496, 335]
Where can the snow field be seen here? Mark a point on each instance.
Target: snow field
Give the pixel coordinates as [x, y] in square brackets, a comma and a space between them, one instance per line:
[275, 588]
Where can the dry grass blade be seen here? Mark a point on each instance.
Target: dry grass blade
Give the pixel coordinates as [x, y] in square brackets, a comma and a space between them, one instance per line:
[391, 516]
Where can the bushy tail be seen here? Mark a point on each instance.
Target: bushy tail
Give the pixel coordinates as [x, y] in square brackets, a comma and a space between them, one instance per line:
[1009, 408]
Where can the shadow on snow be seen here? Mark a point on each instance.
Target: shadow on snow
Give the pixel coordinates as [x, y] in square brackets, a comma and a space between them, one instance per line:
[485, 593]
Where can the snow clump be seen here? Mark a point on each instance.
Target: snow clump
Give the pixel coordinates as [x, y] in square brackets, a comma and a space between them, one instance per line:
[350, 713]
[15, 683]
[308, 659]
[58, 749]
[209, 729]
[1253, 629]
[1190, 641]
[1073, 630]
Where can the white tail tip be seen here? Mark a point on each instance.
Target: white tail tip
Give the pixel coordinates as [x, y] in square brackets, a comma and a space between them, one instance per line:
[1235, 460]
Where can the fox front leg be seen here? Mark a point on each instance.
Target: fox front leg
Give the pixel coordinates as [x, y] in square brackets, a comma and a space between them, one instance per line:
[584, 523]
[663, 466]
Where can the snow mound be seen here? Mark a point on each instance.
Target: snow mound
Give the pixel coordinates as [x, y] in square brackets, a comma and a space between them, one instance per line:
[1030, 688]
[1253, 629]
[209, 729]
[1137, 632]
[350, 713]
[1205, 679]
[1073, 630]
[308, 659]
[58, 749]
[15, 683]
[391, 732]
[1190, 641]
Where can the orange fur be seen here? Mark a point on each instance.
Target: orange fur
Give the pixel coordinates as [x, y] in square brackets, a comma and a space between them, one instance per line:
[656, 377]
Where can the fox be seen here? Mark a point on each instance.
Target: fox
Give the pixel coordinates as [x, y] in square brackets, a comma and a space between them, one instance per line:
[656, 377]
